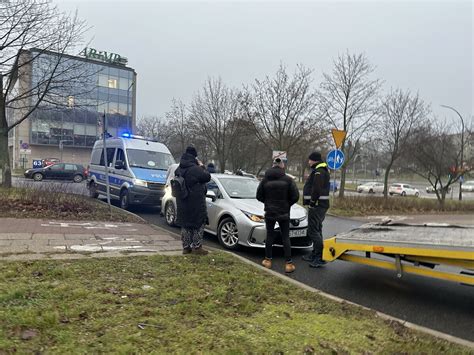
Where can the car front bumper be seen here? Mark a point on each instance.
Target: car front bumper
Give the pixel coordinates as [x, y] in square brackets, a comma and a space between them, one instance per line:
[144, 196]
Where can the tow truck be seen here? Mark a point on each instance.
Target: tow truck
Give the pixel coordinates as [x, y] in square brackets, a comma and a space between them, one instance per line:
[439, 251]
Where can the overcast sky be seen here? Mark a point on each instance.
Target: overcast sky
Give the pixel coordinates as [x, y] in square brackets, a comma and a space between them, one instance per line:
[425, 46]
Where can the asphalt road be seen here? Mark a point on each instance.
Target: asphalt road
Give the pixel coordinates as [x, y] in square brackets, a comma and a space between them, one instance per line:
[440, 305]
[436, 304]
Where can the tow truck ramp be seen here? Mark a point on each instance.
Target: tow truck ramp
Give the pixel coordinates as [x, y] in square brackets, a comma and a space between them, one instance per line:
[434, 250]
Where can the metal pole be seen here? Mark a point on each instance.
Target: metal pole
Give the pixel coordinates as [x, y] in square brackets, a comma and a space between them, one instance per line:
[462, 145]
[107, 185]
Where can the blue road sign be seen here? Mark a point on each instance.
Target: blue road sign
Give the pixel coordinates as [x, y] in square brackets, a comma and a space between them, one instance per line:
[335, 159]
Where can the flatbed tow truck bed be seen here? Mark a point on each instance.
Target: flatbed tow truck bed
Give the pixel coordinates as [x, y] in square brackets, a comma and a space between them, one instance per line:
[414, 249]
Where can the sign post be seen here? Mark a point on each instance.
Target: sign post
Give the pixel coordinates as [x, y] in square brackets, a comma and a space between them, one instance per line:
[107, 185]
[335, 160]
[338, 136]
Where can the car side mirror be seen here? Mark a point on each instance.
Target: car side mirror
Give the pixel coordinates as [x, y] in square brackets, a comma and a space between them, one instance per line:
[120, 164]
[212, 195]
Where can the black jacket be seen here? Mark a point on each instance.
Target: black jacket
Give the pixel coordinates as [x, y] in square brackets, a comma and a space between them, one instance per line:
[278, 192]
[192, 211]
[316, 188]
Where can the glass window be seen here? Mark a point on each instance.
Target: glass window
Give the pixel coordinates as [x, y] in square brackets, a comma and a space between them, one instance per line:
[57, 167]
[112, 83]
[113, 72]
[149, 159]
[110, 157]
[91, 130]
[124, 84]
[240, 187]
[113, 107]
[70, 167]
[120, 155]
[103, 80]
[122, 109]
[96, 155]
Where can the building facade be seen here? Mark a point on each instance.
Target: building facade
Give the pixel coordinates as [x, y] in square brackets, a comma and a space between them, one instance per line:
[68, 132]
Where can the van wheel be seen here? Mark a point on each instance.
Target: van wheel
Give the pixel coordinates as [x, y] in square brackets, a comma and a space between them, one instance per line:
[227, 234]
[170, 214]
[93, 190]
[78, 178]
[124, 200]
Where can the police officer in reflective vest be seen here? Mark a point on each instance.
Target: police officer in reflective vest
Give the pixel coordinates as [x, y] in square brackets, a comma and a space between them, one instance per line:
[316, 196]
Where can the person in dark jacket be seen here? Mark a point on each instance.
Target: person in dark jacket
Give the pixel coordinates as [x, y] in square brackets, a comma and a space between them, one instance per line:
[211, 168]
[316, 196]
[278, 192]
[192, 211]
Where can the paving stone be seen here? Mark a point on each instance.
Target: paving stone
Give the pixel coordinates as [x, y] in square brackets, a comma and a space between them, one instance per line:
[18, 249]
[55, 242]
[5, 242]
[162, 238]
[79, 236]
[15, 236]
[47, 236]
[45, 249]
[22, 257]
[29, 242]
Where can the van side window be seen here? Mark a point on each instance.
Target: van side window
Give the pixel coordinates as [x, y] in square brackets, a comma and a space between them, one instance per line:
[120, 155]
[110, 157]
[95, 158]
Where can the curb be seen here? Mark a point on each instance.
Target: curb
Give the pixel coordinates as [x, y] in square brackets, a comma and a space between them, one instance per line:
[340, 300]
[126, 211]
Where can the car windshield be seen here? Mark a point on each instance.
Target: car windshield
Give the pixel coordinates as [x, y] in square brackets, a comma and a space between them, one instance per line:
[147, 159]
[240, 187]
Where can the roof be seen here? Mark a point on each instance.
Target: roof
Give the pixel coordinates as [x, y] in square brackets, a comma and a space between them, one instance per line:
[133, 143]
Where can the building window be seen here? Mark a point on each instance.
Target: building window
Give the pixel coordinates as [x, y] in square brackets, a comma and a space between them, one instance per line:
[112, 83]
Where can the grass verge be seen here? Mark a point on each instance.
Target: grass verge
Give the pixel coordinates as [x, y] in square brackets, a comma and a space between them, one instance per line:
[213, 304]
[369, 205]
[33, 203]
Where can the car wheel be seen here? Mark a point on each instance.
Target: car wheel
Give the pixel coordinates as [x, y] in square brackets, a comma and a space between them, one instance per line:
[170, 214]
[417, 194]
[78, 178]
[124, 202]
[227, 234]
[371, 191]
[403, 194]
[93, 190]
[37, 176]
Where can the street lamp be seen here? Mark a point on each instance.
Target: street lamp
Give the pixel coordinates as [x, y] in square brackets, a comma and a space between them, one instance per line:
[462, 145]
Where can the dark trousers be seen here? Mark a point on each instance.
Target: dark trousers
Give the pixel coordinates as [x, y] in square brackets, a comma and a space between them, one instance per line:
[316, 217]
[285, 237]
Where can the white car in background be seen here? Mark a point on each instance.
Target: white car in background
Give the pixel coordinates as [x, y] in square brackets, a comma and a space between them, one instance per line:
[371, 187]
[468, 186]
[403, 190]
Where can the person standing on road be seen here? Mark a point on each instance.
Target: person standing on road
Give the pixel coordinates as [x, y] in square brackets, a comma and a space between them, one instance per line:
[278, 192]
[192, 211]
[316, 196]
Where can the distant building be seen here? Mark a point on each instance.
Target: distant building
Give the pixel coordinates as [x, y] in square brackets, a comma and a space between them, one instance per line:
[70, 132]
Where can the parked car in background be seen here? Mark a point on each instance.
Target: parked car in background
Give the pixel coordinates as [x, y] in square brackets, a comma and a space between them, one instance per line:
[371, 187]
[431, 189]
[403, 190]
[61, 171]
[468, 186]
[236, 217]
[333, 186]
[49, 161]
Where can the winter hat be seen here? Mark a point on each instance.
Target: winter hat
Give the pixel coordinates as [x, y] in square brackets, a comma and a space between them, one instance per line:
[315, 156]
[192, 151]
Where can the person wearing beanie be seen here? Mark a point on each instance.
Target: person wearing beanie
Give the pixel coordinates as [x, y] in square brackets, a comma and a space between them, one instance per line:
[211, 168]
[278, 192]
[192, 210]
[316, 197]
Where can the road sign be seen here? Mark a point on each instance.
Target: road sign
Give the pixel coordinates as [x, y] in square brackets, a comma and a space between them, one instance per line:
[338, 137]
[24, 146]
[25, 151]
[279, 154]
[37, 163]
[335, 159]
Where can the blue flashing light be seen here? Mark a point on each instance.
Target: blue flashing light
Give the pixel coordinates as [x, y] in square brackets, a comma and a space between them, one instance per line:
[126, 135]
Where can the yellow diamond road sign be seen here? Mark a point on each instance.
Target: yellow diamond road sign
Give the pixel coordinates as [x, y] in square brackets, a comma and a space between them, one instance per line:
[338, 137]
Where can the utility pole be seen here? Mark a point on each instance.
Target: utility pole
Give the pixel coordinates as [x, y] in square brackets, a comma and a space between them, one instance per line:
[462, 145]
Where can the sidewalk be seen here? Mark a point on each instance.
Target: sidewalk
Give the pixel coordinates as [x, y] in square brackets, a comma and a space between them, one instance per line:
[457, 219]
[25, 239]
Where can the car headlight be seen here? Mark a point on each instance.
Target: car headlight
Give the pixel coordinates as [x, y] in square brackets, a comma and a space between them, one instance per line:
[254, 217]
[302, 218]
[139, 182]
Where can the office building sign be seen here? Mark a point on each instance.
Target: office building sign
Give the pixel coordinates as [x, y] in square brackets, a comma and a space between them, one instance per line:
[103, 56]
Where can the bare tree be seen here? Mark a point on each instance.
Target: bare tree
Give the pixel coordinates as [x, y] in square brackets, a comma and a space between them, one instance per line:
[401, 113]
[180, 127]
[33, 32]
[282, 108]
[348, 99]
[435, 154]
[153, 127]
[214, 112]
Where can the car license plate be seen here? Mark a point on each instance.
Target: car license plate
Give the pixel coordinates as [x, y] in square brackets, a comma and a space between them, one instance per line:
[295, 233]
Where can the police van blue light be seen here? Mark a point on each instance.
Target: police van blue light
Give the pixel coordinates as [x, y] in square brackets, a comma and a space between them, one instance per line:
[136, 167]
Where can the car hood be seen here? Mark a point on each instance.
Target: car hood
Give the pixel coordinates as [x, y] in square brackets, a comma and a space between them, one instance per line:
[256, 207]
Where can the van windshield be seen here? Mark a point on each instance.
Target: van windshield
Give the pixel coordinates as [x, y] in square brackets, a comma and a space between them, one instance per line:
[147, 159]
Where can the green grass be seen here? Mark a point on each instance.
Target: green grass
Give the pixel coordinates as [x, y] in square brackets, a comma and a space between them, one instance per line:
[51, 203]
[370, 205]
[213, 304]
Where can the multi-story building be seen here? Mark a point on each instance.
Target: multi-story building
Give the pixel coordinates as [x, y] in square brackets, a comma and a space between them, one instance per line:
[68, 133]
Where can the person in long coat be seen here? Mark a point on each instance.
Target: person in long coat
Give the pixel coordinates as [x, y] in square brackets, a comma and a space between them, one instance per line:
[192, 211]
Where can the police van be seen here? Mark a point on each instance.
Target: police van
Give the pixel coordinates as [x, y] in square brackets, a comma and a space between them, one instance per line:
[136, 167]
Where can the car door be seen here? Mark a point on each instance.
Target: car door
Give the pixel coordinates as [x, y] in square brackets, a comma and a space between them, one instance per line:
[410, 191]
[213, 208]
[54, 171]
[69, 172]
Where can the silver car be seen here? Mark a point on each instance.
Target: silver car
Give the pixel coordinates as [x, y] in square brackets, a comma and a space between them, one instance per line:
[235, 215]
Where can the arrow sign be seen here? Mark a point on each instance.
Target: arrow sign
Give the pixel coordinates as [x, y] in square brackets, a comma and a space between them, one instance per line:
[338, 137]
[335, 159]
